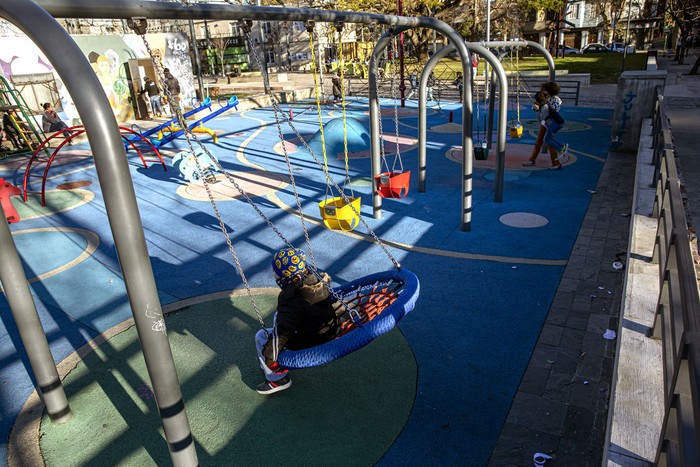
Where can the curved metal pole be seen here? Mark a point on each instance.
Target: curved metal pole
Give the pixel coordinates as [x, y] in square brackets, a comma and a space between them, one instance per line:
[467, 131]
[422, 113]
[498, 195]
[535, 45]
[547, 57]
[122, 210]
[497, 69]
[216, 11]
[502, 121]
[461, 48]
[16, 288]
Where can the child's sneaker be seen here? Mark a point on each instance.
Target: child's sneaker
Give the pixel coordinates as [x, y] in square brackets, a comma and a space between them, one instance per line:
[528, 163]
[269, 387]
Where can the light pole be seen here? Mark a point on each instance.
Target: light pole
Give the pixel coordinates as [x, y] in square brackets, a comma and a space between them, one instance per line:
[487, 75]
[627, 34]
[198, 64]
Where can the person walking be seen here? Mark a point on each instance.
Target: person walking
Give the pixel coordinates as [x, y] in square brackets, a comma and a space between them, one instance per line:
[430, 85]
[153, 92]
[544, 103]
[554, 122]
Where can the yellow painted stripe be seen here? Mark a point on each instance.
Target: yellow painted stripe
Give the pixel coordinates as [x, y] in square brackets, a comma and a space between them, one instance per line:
[93, 241]
[419, 249]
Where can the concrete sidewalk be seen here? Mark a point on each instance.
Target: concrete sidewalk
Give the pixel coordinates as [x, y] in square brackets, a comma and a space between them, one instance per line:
[561, 407]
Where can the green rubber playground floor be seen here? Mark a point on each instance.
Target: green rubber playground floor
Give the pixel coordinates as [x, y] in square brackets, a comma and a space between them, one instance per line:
[344, 413]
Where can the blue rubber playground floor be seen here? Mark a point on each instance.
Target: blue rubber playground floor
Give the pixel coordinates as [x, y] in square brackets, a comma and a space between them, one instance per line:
[454, 362]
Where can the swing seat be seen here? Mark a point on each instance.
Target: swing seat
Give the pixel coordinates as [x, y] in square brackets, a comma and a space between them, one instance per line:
[377, 302]
[481, 151]
[339, 215]
[516, 131]
[392, 184]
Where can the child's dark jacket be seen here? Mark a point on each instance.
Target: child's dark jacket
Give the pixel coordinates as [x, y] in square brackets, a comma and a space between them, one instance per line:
[305, 316]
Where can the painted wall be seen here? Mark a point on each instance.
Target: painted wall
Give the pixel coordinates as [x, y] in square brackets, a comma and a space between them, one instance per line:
[108, 56]
[635, 101]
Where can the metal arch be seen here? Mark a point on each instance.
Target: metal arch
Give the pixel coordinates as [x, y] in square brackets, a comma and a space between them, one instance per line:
[77, 131]
[148, 141]
[122, 211]
[535, 45]
[374, 113]
[467, 126]
[89, 9]
[34, 157]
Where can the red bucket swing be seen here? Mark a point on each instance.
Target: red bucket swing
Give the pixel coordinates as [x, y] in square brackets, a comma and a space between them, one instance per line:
[393, 183]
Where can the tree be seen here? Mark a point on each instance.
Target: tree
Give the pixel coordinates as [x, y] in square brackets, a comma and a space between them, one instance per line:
[685, 13]
[418, 37]
[220, 44]
[507, 16]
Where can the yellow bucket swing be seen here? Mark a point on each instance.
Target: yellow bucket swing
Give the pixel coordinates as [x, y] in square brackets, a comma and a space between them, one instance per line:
[338, 212]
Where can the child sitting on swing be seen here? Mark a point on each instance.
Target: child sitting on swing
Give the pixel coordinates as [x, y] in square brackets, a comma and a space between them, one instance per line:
[305, 317]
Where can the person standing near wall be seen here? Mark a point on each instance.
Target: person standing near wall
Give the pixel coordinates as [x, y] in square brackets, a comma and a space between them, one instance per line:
[173, 89]
[153, 92]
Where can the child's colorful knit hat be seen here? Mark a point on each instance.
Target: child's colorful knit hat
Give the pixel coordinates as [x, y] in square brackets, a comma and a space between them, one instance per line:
[287, 263]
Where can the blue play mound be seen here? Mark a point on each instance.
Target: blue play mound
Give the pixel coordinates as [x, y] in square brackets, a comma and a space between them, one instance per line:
[357, 134]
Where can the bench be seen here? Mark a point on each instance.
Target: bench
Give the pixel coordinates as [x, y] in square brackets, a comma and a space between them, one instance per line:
[569, 92]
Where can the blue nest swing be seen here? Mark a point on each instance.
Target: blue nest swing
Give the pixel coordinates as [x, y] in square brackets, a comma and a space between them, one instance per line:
[373, 305]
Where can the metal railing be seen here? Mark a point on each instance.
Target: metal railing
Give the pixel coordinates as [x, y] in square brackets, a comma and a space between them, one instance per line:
[677, 321]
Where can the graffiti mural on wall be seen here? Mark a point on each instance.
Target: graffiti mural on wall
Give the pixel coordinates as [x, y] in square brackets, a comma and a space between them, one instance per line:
[108, 56]
[177, 58]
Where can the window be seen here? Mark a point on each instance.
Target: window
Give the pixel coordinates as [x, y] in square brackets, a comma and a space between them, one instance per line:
[235, 30]
[572, 11]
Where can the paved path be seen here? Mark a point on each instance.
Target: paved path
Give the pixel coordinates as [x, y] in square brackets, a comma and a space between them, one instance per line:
[562, 403]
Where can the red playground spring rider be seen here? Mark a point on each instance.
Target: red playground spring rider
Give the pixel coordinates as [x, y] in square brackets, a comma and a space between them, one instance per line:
[7, 190]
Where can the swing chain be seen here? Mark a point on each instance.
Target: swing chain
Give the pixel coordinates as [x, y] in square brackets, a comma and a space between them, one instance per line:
[188, 136]
[275, 106]
[341, 65]
[278, 112]
[397, 157]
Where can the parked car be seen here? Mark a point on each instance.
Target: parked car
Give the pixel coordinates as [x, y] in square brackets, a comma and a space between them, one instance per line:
[595, 48]
[620, 47]
[567, 50]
